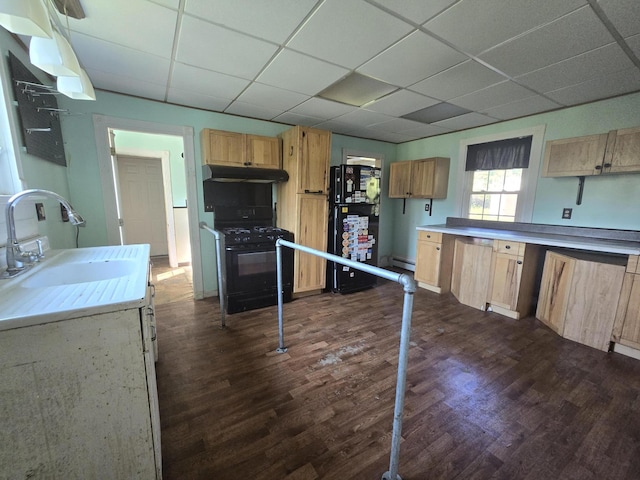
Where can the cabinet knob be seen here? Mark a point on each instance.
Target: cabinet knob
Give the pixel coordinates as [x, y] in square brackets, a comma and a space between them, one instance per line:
[598, 167]
[519, 262]
[507, 247]
[437, 248]
[428, 236]
[607, 165]
[291, 151]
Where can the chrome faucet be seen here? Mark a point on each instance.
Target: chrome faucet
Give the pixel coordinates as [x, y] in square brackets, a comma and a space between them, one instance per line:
[16, 258]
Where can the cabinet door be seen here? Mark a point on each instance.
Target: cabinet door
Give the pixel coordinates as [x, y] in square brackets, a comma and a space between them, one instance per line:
[626, 329]
[554, 290]
[505, 285]
[428, 262]
[223, 148]
[623, 151]
[315, 153]
[471, 272]
[263, 152]
[422, 178]
[309, 270]
[570, 157]
[400, 179]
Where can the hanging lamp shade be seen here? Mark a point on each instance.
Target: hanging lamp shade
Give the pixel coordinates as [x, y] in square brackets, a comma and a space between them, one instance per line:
[78, 88]
[54, 55]
[25, 17]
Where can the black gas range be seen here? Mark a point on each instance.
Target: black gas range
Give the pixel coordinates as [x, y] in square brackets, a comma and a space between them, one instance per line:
[243, 212]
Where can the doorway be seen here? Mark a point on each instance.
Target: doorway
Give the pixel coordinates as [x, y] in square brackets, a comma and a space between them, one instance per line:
[109, 163]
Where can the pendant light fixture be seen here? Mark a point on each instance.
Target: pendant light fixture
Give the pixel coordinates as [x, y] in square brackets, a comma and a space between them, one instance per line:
[25, 17]
[54, 55]
[78, 88]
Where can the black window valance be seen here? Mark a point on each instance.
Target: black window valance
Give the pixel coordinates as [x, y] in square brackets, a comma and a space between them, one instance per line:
[499, 155]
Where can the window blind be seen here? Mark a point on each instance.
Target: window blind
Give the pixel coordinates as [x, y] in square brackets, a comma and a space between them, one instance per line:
[499, 155]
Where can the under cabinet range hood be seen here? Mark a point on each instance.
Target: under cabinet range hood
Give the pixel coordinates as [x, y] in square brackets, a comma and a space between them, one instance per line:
[221, 173]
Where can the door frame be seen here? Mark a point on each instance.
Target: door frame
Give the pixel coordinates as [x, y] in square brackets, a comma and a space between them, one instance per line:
[101, 125]
[163, 157]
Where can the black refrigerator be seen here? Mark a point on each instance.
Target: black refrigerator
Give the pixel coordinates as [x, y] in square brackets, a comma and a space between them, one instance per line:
[354, 212]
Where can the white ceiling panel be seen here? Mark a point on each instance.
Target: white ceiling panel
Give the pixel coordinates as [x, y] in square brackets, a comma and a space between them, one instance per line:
[522, 108]
[273, 20]
[197, 100]
[401, 102]
[140, 25]
[464, 78]
[595, 63]
[615, 84]
[498, 94]
[416, 11]
[270, 97]
[429, 57]
[348, 33]
[477, 26]
[270, 59]
[578, 32]
[206, 82]
[97, 54]
[294, 71]
[215, 48]
[624, 14]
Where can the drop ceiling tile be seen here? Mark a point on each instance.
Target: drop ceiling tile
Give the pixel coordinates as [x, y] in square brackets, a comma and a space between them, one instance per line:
[624, 14]
[215, 48]
[492, 96]
[271, 97]
[401, 102]
[363, 118]
[522, 108]
[300, 73]
[416, 11]
[252, 111]
[175, 4]
[578, 32]
[431, 57]
[348, 33]
[336, 126]
[618, 83]
[295, 119]
[424, 131]
[382, 136]
[97, 54]
[142, 26]
[592, 64]
[321, 108]
[468, 120]
[475, 26]
[126, 85]
[396, 125]
[634, 44]
[197, 100]
[273, 20]
[206, 82]
[459, 80]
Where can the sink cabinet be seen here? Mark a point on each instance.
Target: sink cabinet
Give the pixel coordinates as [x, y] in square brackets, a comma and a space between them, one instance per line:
[615, 152]
[239, 149]
[79, 398]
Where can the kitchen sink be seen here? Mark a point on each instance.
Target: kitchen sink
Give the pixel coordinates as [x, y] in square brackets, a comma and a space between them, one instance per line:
[79, 272]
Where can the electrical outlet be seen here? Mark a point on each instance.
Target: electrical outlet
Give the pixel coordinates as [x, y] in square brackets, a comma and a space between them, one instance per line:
[566, 213]
[426, 207]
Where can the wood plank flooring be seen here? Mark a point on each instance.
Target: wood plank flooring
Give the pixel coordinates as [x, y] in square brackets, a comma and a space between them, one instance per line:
[488, 397]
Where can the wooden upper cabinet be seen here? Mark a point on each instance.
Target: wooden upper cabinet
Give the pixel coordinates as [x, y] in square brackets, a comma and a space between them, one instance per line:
[425, 178]
[315, 152]
[234, 149]
[615, 152]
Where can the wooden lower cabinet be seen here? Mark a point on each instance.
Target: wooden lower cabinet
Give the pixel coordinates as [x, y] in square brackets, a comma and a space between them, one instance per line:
[579, 296]
[626, 330]
[471, 271]
[434, 256]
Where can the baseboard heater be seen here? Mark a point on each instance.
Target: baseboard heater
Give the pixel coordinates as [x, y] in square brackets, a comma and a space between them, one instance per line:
[404, 263]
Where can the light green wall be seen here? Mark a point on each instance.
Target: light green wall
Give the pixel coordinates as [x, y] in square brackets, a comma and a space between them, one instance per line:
[608, 201]
[170, 143]
[39, 173]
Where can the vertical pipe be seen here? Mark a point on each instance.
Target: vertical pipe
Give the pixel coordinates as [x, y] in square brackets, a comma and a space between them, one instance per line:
[281, 348]
[403, 359]
[221, 280]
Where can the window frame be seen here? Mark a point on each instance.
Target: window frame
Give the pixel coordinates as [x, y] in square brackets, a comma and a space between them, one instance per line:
[10, 160]
[530, 175]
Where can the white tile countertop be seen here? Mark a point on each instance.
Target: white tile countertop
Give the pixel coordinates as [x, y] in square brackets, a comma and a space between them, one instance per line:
[74, 283]
[548, 239]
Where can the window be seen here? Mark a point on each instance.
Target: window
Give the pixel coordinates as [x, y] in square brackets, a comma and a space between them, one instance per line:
[499, 184]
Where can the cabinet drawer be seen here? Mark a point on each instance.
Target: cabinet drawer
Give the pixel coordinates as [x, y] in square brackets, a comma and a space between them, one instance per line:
[435, 237]
[505, 246]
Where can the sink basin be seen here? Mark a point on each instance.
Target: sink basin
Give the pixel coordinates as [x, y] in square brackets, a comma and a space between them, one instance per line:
[80, 272]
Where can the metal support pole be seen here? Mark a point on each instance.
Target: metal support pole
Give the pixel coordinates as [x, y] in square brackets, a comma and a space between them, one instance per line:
[220, 269]
[409, 285]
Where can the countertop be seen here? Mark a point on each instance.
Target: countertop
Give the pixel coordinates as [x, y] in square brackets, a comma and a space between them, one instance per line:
[548, 239]
[23, 304]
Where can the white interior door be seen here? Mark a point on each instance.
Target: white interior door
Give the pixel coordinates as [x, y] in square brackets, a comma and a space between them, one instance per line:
[142, 202]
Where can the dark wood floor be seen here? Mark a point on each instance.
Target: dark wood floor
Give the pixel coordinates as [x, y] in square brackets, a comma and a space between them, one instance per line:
[487, 396]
